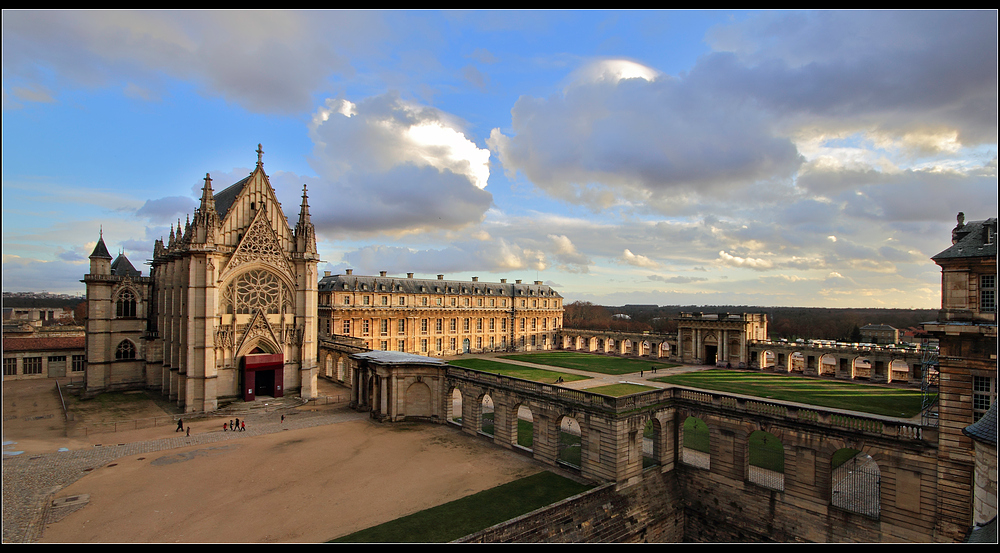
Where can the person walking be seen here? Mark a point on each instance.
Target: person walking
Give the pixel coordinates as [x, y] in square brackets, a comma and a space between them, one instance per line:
[188, 431]
[180, 425]
[243, 426]
[225, 426]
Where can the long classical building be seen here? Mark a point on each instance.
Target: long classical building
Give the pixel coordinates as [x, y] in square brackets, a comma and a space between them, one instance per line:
[228, 310]
[438, 317]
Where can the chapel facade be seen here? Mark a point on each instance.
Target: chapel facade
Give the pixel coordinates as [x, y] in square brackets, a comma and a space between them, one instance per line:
[228, 312]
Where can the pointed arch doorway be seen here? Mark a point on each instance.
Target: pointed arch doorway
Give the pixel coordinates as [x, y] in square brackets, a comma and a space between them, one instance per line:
[263, 374]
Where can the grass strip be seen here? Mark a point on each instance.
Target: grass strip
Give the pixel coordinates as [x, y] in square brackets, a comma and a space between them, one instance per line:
[865, 398]
[516, 371]
[590, 362]
[473, 513]
[618, 390]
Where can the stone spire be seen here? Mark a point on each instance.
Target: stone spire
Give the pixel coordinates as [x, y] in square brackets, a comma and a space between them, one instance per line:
[260, 156]
[207, 196]
[305, 233]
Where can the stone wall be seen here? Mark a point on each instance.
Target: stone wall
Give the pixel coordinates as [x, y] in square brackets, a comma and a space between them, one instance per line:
[648, 511]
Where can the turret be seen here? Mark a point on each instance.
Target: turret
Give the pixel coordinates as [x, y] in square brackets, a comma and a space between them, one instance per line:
[305, 233]
[100, 259]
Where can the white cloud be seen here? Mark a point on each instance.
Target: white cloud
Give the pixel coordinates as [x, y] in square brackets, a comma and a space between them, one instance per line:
[756, 264]
[630, 258]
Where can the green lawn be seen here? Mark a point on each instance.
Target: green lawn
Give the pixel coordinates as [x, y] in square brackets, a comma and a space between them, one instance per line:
[471, 514]
[516, 371]
[618, 390]
[865, 398]
[590, 362]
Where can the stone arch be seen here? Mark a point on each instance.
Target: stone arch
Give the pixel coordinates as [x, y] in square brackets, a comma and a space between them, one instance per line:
[342, 373]
[128, 302]
[652, 442]
[695, 440]
[899, 370]
[710, 349]
[523, 426]
[765, 460]
[861, 367]
[486, 415]
[797, 362]
[453, 406]
[828, 365]
[418, 400]
[664, 349]
[855, 482]
[126, 351]
[264, 343]
[328, 366]
[570, 446]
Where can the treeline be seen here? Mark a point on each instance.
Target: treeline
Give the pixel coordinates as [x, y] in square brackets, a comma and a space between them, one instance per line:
[783, 322]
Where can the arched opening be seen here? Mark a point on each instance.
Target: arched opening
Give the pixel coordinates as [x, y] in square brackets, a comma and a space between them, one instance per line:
[856, 482]
[650, 443]
[418, 400]
[570, 451]
[486, 422]
[766, 460]
[797, 362]
[453, 408]
[329, 366]
[899, 371]
[768, 360]
[524, 434]
[664, 349]
[696, 450]
[125, 351]
[828, 365]
[862, 369]
[125, 306]
[340, 369]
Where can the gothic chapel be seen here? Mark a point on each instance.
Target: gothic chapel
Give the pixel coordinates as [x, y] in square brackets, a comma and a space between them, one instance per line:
[228, 311]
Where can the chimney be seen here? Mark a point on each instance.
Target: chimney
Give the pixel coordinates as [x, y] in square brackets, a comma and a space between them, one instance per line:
[409, 275]
[381, 273]
[349, 271]
[503, 281]
[475, 279]
[326, 273]
[518, 281]
[538, 282]
[440, 277]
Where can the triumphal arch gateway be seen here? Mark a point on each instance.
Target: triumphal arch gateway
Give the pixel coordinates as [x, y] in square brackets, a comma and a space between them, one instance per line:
[228, 311]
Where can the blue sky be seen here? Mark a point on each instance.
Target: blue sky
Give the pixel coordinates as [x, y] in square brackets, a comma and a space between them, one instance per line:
[655, 157]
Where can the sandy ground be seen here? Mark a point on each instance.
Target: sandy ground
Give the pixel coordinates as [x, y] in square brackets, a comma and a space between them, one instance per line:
[307, 485]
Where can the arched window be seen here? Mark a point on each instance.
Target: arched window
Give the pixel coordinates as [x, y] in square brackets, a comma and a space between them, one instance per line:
[126, 304]
[126, 350]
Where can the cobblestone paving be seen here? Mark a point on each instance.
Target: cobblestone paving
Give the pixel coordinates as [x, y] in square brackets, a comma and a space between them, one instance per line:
[29, 482]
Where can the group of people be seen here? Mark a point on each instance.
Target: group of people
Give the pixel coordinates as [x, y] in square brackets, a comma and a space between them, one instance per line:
[238, 426]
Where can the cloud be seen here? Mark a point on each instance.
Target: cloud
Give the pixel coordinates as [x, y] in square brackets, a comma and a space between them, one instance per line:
[497, 256]
[756, 264]
[391, 166]
[167, 210]
[266, 61]
[630, 258]
[628, 133]
[676, 279]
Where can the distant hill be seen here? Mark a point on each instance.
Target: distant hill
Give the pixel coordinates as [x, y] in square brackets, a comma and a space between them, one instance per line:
[783, 322]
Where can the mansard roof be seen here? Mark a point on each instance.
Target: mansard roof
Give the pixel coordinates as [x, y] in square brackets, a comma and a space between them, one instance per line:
[972, 239]
[121, 266]
[433, 286]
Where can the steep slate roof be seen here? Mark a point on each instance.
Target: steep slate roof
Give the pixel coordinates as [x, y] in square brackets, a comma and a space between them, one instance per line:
[224, 199]
[123, 267]
[397, 358]
[985, 429]
[100, 250]
[974, 239]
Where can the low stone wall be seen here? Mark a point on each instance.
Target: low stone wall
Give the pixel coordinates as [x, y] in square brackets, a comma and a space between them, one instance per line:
[649, 510]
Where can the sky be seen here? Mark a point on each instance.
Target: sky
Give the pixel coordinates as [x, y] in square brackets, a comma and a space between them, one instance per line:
[774, 158]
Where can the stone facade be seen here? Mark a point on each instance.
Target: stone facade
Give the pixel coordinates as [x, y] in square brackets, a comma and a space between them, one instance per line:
[967, 332]
[439, 317]
[718, 338]
[228, 311]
